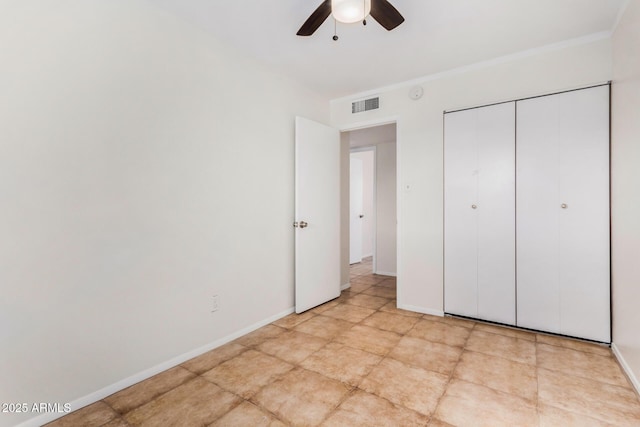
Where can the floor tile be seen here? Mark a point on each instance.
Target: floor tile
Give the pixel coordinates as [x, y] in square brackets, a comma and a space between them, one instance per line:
[574, 344]
[471, 405]
[369, 339]
[390, 322]
[348, 312]
[516, 349]
[324, 327]
[391, 307]
[292, 346]
[117, 422]
[96, 414]
[197, 402]
[324, 307]
[357, 286]
[390, 282]
[367, 280]
[365, 409]
[294, 319]
[344, 296]
[440, 332]
[507, 332]
[450, 320]
[259, 336]
[302, 397]
[412, 388]
[145, 391]
[499, 374]
[343, 363]
[247, 414]
[554, 417]
[581, 364]
[434, 422]
[367, 301]
[608, 403]
[213, 358]
[381, 291]
[247, 373]
[427, 355]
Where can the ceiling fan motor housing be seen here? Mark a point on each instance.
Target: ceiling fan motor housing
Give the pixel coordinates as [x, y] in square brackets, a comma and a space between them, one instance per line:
[350, 11]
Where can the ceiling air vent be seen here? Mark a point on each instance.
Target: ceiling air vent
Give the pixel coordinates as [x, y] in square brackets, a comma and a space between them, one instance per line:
[365, 105]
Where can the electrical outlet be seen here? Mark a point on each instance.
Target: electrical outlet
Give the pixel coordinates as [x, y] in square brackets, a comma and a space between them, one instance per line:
[216, 303]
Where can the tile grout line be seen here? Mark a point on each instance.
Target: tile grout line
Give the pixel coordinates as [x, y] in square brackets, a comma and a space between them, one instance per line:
[451, 375]
[356, 387]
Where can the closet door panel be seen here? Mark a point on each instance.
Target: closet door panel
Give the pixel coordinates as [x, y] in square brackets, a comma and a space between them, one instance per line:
[563, 213]
[584, 222]
[461, 222]
[479, 213]
[537, 210]
[496, 213]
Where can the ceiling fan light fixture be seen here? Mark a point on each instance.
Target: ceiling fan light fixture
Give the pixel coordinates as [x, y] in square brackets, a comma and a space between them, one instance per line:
[350, 11]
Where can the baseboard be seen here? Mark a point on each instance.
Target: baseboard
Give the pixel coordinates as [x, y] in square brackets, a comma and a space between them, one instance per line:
[386, 273]
[626, 367]
[422, 310]
[345, 286]
[148, 373]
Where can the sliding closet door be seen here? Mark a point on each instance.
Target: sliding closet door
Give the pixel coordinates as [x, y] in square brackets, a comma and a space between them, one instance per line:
[563, 213]
[479, 213]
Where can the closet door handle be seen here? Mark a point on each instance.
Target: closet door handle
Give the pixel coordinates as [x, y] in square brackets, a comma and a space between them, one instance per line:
[564, 206]
[474, 207]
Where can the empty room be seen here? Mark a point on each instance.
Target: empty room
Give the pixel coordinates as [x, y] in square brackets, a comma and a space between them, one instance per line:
[319, 212]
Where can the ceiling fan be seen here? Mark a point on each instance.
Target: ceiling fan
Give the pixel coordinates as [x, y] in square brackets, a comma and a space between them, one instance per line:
[349, 11]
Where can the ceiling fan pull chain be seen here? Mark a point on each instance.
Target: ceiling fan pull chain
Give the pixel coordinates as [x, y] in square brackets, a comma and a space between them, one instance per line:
[364, 11]
[335, 30]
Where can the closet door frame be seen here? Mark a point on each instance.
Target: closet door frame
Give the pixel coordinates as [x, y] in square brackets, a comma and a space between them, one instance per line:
[604, 333]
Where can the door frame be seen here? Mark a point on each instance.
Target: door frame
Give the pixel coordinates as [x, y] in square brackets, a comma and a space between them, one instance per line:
[399, 185]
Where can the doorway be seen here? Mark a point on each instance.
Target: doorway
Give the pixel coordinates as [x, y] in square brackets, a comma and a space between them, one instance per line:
[361, 204]
[373, 215]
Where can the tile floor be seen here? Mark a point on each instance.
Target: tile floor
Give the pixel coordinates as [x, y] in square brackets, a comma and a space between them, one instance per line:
[359, 361]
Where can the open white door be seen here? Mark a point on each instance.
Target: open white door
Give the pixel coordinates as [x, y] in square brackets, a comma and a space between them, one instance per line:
[355, 210]
[317, 216]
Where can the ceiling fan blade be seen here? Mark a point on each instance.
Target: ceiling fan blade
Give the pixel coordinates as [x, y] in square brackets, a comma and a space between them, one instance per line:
[386, 15]
[316, 19]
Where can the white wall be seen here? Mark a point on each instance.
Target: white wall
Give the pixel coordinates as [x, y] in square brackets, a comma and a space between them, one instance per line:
[625, 179]
[368, 222]
[420, 136]
[144, 167]
[386, 208]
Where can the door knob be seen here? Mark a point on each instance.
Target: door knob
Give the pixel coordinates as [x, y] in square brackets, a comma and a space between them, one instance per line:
[295, 224]
[474, 207]
[564, 206]
[303, 224]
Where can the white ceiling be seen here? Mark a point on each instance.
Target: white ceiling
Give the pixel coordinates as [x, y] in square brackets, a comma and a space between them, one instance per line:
[438, 35]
